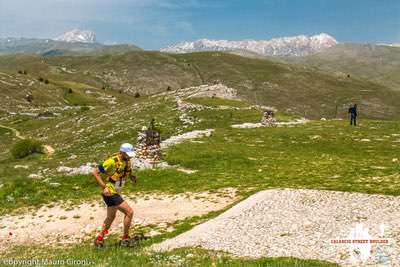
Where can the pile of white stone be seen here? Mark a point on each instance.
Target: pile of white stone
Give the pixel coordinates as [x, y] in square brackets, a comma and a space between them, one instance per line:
[268, 118]
[146, 152]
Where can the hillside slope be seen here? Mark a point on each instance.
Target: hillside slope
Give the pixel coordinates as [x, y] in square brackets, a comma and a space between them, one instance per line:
[290, 88]
[377, 63]
[48, 47]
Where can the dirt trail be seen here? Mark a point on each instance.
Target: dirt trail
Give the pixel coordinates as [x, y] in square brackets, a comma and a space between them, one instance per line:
[15, 131]
[65, 224]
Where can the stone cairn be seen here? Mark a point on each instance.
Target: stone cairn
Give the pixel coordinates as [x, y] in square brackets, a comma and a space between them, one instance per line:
[148, 144]
[268, 117]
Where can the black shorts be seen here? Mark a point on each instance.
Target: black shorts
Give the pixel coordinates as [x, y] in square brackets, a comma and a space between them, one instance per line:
[113, 200]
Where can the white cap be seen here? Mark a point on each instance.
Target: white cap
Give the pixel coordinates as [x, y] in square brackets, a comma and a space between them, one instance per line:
[128, 149]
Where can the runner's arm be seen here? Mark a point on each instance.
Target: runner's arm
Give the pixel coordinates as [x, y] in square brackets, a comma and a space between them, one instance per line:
[99, 180]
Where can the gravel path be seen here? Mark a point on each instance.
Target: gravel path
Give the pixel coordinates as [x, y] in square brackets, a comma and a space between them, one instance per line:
[278, 124]
[63, 223]
[15, 131]
[303, 224]
[173, 140]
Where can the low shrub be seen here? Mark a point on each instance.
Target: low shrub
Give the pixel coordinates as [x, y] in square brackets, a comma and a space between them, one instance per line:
[26, 147]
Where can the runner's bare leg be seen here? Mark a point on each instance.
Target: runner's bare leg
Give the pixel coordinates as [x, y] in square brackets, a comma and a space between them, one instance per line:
[128, 211]
[111, 212]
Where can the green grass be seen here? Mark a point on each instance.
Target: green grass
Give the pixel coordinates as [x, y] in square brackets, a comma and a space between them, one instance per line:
[72, 84]
[140, 256]
[320, 155]
[328, 155]
[6, 136]
[126, 257]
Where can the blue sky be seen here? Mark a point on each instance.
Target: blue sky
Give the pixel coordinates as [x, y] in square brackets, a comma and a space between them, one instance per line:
[153, 24]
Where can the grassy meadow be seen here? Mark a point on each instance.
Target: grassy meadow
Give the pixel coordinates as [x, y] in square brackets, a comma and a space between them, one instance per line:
[94, 110]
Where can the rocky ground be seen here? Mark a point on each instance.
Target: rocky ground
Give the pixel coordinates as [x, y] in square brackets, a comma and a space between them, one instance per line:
[303, 224]
[248, 125]
[63, 223]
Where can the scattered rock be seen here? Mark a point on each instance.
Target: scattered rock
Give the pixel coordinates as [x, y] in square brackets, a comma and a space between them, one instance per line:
[186, 106]
[170, 229]
[248, 125]
[153, 233]
[48, 150]
[186, 136]
[35, 176]
[259, 226]
[187, 171]
[316, 137]
[46, 114]
[162, 225]
[378, 167]
[84, 169]
[216, 90]
[73, 156]
[258, 125]
[21, 167]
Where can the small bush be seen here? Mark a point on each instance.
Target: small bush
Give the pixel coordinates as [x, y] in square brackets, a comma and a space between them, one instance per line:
[26, 147]
[46, 81]
[137, 95]
[40, 79]
[20, 72]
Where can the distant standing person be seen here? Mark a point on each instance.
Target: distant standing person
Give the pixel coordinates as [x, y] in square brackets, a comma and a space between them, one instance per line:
[353, 115]
[116, 170]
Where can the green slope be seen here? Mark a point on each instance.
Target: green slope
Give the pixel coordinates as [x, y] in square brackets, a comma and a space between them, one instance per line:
[377, 63]
[47, 47]
[289, 87]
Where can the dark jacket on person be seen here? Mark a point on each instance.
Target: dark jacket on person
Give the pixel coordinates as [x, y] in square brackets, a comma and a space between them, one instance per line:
[353, 111]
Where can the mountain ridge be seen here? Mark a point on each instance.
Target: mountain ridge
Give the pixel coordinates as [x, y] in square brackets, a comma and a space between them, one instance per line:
[50, 47]
[77, 36]
[300, 45]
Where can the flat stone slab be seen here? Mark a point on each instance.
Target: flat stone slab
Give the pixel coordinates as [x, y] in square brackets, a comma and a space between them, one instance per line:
[307, 224]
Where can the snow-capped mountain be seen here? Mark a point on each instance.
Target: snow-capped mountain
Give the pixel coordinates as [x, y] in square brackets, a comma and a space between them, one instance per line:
[77, 36]
[392, 45]
[286, 46]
